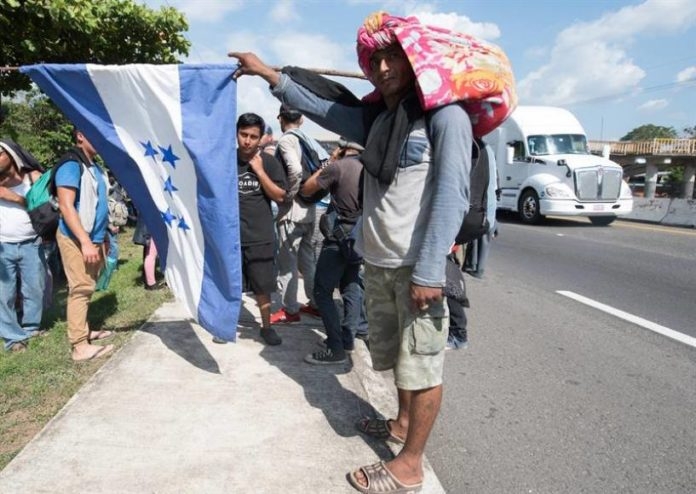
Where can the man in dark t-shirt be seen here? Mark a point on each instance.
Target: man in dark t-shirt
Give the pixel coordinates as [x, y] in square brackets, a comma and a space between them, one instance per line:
[261, 180]
[338, 264]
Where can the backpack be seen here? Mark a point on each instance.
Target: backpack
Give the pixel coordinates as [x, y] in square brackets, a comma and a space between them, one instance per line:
[475, 223]
[343, 231]
[41, 199]
[118, 212]
[314, 157]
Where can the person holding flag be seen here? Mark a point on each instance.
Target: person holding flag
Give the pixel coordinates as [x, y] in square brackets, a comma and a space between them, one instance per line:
[434, 91]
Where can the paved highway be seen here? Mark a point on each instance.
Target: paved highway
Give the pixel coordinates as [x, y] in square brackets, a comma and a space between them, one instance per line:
[554, 395]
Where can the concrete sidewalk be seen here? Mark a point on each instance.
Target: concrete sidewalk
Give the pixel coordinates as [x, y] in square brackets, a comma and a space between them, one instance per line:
[172, 412]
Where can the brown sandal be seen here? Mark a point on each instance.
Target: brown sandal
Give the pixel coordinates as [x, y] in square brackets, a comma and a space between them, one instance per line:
[102, 334]
[378, 428]
[102, 352]
[381, 481]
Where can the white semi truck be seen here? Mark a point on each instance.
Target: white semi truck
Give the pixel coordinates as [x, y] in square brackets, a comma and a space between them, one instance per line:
[545, 168]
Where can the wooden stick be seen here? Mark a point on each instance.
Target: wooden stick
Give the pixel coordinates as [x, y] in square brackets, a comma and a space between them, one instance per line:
[337, 73]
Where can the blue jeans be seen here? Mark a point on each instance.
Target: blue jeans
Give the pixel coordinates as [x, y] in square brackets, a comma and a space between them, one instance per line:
[457, 323]
[26, 261]
[334, 271]
[295, 253]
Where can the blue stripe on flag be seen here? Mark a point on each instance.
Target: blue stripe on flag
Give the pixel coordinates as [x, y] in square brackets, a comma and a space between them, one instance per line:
[215, 154]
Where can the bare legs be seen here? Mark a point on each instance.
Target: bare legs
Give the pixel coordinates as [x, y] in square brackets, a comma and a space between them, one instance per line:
[417, 413]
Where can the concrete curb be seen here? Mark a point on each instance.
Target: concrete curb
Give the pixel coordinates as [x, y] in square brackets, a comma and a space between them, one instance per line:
[664, 211]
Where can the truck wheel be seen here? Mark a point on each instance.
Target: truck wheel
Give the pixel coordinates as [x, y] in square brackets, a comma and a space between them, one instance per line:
[602, 220]
[529, 208]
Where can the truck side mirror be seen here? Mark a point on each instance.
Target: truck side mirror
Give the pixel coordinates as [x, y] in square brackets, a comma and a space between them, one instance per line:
[565, 163]
[509, 154]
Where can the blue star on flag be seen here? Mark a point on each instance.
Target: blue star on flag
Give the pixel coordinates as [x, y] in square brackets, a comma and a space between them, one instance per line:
[149, 149]
[182, 224]
[169, 186]
[167, 216]
[169, 156]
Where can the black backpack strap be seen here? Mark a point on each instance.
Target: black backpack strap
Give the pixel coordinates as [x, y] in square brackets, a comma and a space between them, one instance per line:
[73, 154]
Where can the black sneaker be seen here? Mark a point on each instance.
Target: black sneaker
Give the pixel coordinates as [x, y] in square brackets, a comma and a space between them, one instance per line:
[348, 347]
[325, 357]
[270, 336]
[219, 341]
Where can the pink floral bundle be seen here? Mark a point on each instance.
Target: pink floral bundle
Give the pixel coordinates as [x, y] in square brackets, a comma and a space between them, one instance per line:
[449, 67]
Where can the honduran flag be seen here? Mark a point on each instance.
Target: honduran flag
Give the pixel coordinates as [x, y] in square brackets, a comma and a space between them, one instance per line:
[168, 134]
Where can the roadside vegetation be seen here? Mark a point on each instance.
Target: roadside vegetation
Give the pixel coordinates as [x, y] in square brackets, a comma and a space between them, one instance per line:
[36, 384]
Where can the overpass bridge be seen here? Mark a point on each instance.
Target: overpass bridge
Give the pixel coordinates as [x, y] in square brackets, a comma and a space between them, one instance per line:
[652, 156]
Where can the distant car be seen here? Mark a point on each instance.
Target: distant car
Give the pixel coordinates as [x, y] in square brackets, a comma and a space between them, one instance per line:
[662, 188]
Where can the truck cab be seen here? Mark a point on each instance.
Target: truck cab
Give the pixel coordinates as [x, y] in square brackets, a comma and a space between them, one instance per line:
[545, 168]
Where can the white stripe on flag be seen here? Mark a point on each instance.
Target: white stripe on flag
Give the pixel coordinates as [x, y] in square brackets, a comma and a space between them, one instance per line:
[145, 100]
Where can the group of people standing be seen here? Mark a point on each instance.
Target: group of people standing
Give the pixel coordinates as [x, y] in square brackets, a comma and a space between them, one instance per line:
[397, 211]
[84, 237]
[414, 177]
[278, 231]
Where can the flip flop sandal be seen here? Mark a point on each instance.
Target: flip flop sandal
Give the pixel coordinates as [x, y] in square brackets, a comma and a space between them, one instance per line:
[101, 335]
[378, 428]
[381, 481]
[102, 352]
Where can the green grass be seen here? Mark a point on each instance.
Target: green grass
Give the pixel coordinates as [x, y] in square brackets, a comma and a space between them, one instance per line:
[34, 385]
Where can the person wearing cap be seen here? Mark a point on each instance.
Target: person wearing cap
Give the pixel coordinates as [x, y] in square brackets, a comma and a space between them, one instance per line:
[267, 144]
[415, 195]
[339, 265]
[21, 249]
[295, 226]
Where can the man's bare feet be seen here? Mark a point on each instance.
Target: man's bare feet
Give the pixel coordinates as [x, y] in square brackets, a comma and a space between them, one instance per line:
[383, 473]
[85, 352]
[100, 335]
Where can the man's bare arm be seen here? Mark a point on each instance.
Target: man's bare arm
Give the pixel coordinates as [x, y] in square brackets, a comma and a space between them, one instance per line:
[311, 185]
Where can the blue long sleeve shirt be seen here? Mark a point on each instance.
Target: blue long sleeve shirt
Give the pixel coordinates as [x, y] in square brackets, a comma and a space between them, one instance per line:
[414, 220]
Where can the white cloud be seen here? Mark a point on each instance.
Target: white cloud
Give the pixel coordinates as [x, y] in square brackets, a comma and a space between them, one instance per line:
[688, 73]
[284, 11]
[254, 96]
[310, 50]
[589, 59]
[459, 23]
[304, 50]
[206, 10]
[653, 104]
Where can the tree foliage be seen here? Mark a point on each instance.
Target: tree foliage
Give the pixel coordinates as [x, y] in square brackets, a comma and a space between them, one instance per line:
[34, 122]
[650, 131]
[85, 31]
[690, 132]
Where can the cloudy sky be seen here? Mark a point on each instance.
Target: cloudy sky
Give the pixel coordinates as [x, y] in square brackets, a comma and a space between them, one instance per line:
[617, 64]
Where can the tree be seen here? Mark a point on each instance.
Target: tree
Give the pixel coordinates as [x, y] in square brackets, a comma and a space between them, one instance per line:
[690, 132]
[85, 31]
[649, 132]
[36, 124]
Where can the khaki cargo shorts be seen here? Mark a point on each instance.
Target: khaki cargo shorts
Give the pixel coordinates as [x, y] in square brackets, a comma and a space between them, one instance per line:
[413, 344]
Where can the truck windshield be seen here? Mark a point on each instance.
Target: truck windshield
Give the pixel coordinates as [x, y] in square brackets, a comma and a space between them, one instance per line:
[540, 145]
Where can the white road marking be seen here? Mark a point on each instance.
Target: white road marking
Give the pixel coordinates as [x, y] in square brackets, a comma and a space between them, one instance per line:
[669, 333]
